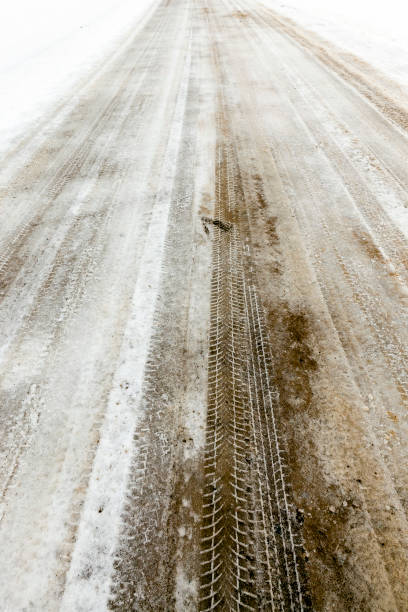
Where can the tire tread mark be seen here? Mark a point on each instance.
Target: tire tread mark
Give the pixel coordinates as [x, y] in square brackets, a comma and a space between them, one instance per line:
[250, 541]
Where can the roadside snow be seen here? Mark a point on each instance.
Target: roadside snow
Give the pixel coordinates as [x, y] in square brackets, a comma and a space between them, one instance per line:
[375, 31]
[46, 46]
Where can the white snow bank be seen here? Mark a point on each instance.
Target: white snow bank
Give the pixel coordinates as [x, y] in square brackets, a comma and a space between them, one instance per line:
[374, 30]
[46, 45]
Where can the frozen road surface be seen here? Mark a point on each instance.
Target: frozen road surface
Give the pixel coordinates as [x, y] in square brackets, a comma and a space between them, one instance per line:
[203, 323]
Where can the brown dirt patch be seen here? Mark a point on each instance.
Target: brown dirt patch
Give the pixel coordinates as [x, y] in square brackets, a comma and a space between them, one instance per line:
[326, 517]
[366, 242]
[239, 15]
[296, 362]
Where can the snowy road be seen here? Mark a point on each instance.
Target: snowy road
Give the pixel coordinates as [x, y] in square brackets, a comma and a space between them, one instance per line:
[203, 322]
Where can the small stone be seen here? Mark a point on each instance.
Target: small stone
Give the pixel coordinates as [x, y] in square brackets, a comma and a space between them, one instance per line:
[332, 509]
[345, 503]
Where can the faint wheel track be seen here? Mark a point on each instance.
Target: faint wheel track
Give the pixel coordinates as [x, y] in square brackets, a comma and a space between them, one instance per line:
[146, 543]
[391, 238]
[79, 149]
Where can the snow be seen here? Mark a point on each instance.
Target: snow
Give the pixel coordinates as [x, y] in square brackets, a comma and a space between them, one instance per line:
[375, 31]
[47, 46]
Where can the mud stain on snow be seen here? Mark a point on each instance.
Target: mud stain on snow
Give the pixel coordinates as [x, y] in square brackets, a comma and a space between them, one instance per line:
[326, 518]
[239, 15]
[295, 362]
[206, 221]
[295, 368]
[369, 247]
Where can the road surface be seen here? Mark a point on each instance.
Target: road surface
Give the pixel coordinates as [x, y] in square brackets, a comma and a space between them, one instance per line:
[203, 321]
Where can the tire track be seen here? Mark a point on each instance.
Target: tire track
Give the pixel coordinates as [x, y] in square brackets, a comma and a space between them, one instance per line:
[249, 539]
[226, 551]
